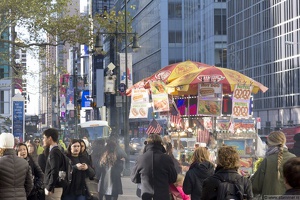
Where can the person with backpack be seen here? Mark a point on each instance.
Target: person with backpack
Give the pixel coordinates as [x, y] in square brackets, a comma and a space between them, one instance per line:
[54, 163]
[268, 179]
[200, 169]
[77, 189]
[227, 183]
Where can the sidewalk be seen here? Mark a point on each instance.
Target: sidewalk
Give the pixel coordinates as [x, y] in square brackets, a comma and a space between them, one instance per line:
[129, 189]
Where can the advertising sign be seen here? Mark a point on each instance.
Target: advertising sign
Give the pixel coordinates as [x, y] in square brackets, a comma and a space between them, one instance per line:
[160, 97]
[18, 123]
[123, 71]
[241, 101]
[139, 103]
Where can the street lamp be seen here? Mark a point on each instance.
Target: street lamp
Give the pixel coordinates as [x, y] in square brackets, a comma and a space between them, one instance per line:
[135, 46]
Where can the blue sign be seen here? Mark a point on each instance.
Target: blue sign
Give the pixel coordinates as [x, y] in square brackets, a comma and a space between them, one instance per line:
[86, 99]
[18, 120]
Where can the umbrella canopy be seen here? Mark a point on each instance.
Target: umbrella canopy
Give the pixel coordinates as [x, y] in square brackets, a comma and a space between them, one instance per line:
[188, 83]
[169, 73]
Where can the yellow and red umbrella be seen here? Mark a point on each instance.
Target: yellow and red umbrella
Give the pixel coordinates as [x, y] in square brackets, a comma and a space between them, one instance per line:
[188, 83]
[169, 73]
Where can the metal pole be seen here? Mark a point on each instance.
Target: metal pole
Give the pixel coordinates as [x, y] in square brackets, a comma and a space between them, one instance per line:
[75, 93]
[126, 128]
[117, 81]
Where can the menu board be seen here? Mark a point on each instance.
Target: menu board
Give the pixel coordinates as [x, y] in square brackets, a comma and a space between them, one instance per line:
[241, 101]
[209, 99]
[139, 103]
[159, 96]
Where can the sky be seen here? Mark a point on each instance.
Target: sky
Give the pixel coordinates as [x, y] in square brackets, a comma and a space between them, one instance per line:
[32, 85]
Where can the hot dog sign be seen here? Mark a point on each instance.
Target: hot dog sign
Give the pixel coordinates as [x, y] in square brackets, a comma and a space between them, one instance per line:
[139, 103]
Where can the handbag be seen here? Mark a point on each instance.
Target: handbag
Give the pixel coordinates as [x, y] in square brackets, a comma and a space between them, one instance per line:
[138, 190]
[175, 194]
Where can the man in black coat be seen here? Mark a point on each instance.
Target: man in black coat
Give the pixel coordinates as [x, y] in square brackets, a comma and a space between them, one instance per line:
[154, 170]
[53, 165]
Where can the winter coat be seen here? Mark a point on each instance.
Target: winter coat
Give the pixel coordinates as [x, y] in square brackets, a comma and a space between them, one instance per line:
[115, 177]
[194, 178]
[53, 165]
[78, 184]
[155, 171]
[15, 177]
[265, 181]
[296, 149]
[38, 175]
[210, 185]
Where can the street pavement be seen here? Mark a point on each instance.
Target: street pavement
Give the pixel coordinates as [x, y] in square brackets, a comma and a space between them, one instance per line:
[129, 189]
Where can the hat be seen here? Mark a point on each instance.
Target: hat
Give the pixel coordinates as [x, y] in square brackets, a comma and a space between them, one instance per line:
[7, 141]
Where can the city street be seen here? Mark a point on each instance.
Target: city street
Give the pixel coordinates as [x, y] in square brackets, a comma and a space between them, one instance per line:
[129, 189]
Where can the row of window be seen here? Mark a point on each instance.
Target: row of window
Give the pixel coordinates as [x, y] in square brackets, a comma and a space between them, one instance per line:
[277, 102]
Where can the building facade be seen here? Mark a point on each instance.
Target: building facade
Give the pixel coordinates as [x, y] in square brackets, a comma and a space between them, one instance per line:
[263, 43]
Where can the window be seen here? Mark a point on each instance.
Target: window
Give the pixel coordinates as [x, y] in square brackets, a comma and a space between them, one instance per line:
[4, 102]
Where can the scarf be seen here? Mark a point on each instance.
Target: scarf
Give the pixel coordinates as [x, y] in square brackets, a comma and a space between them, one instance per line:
[273, 149]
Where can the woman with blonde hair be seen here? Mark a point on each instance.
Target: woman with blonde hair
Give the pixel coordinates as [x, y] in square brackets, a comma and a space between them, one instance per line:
[200, 169]
[268, 179]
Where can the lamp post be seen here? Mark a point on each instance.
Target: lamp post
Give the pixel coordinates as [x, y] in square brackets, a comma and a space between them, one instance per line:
[134, 46]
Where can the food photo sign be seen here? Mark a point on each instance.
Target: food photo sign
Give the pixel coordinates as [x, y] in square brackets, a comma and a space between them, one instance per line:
[139, 103]
[241, 101]
[209, 99]
[160, 97]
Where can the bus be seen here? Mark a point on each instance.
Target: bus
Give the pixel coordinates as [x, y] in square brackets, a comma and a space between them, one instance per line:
[94, 129]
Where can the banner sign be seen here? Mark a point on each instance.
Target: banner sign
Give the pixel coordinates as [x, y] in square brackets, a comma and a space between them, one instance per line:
[18, 123]
[209, 99]
[139, 103]
[123, 71]
[159, 96]
[241, 101]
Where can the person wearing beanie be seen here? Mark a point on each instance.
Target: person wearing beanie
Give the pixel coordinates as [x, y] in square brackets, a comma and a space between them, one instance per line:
[268, 179]
[15, 173]
[296, 148]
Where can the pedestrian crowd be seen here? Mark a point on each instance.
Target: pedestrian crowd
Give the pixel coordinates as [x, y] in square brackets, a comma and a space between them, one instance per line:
[83, 171]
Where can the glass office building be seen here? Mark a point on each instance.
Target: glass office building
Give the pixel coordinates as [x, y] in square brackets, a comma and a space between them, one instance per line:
[263, 43]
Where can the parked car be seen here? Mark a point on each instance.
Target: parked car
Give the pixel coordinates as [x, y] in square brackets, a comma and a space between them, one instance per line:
[135, 145]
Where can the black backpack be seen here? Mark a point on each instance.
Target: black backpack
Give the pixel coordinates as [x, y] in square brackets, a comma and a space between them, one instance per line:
[65, 172]
[228, 189]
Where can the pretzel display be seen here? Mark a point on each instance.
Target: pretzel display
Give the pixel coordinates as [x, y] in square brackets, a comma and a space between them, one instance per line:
[242, 94]
[238, 93]
[236, 110]
[246, 94]
[244, 111]
[240, 111]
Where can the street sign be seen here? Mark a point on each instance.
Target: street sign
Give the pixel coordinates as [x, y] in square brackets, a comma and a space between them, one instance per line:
[122, 87]
[119, 101]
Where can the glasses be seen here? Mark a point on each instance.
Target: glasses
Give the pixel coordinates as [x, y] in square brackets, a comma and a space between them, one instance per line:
[36, 141]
